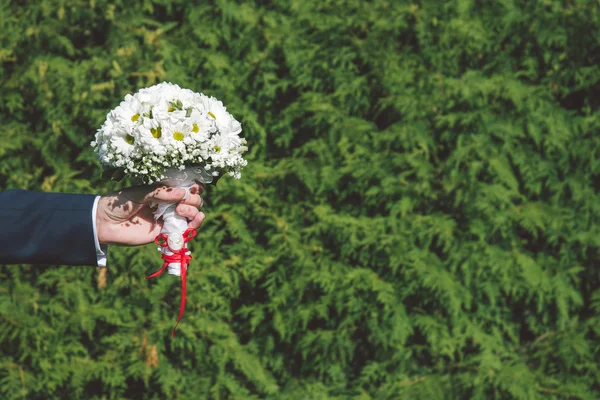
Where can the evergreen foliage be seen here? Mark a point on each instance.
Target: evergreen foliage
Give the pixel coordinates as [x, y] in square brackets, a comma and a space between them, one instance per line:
[418, 220]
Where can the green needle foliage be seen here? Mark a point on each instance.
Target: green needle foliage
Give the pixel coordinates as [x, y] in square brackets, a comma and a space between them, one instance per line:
[418, 220]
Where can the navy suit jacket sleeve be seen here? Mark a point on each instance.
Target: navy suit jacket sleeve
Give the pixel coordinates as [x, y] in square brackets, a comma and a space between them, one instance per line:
[46, 228]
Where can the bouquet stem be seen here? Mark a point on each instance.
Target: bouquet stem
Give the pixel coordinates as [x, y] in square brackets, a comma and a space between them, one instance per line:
[173, 228]
[173, 238]
[180, 257]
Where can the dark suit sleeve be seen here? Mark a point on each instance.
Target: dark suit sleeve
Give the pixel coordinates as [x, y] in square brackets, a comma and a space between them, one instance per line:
[46, 228]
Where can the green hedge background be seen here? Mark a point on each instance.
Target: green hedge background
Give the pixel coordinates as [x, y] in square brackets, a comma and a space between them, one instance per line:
[418, 220]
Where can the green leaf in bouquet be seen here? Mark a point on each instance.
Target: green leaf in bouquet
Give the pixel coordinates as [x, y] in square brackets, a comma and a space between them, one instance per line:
[215, 179]
[175, 105]
[148, 114]
[115, 174]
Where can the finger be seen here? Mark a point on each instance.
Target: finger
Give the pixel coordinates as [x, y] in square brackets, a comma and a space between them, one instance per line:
[165, 193]
[198, 188]
[194, 200]
[186, 211]
[197, 221]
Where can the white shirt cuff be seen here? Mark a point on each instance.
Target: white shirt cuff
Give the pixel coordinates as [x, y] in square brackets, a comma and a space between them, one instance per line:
[101, 249]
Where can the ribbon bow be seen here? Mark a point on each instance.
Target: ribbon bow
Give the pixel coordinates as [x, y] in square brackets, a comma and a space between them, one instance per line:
[181, 256]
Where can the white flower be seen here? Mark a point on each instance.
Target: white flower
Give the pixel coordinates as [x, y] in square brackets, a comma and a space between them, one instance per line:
[230, 134]
[151, 132]
[202, 125]
[217, 111]
[129, 112]
[121, 145]
[165, 126]
[177, 132]
[188, 98]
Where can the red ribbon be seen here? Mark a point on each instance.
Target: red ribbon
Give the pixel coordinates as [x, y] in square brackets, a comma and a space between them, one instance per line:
[178, 256]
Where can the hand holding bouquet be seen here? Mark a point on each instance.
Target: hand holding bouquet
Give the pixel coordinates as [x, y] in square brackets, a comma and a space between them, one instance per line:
[172, 136]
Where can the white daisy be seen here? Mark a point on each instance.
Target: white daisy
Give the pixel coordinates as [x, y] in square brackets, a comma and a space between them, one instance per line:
[217, 111]
[130, 111]
[202, 125]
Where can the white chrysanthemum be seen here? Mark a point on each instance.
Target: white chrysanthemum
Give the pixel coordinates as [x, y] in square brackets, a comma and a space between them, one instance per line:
[230, 134]
[121, 145]
[165, 126]
[216, 110]
[152, 126]
[129, 111]
[187, 97]
[202, 125]
[175, 134]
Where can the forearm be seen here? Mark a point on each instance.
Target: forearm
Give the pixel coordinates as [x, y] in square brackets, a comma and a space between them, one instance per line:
[46, 228]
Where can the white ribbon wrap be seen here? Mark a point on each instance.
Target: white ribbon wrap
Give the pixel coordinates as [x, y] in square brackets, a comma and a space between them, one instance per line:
[174, 224]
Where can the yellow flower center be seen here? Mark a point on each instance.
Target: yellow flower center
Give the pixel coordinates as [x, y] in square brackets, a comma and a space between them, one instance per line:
[171, 109]
[135, 117]
[156, 132]
[129, 139]
[178, 136]
[195, 128]
[217, 149]
[212, 115]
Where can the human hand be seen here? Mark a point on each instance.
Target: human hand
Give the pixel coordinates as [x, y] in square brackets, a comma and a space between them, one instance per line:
[125, 218]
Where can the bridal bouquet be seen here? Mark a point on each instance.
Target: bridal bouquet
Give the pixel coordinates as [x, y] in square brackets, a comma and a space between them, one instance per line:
[173, 136]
